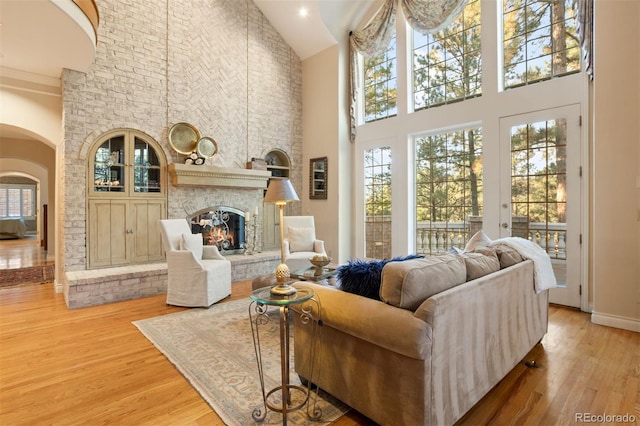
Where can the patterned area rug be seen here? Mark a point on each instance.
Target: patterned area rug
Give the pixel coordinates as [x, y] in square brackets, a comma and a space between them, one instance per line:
[213, 349]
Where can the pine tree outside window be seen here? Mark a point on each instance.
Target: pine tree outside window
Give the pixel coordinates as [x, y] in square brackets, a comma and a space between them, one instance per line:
[448, 174]
[540, 41]
[447, 64]
[380, 84]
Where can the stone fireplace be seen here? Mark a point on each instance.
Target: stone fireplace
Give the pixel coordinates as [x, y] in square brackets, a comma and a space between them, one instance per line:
[214, 198]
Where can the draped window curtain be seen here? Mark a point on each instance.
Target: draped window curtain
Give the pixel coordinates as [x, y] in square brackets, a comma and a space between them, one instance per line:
[429, 16]
[585, 32]
[371, 39]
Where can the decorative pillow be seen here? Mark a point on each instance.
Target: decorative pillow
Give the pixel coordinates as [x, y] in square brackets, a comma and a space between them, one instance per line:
[507, 255]
[479, 239]
[482, 261]
[301, 239]
[193, 243]
[407, 284]
[363, 277]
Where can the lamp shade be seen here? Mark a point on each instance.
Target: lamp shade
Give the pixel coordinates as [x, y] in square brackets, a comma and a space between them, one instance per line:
[280, 191]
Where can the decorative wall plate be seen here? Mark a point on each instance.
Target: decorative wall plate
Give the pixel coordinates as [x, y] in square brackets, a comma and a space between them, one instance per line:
[207, 147]
[183, 138]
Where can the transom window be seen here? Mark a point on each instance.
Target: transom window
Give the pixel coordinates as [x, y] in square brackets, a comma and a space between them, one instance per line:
[540, 40]
[447, 64]
[380, 84]
[448, 188]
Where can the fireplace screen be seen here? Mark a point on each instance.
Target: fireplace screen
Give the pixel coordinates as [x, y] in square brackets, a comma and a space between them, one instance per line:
[221, 226]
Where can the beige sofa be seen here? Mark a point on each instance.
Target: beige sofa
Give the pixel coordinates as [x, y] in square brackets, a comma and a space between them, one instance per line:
[429, 362]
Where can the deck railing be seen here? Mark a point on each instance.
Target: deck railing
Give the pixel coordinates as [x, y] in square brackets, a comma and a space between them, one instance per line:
[440, 237]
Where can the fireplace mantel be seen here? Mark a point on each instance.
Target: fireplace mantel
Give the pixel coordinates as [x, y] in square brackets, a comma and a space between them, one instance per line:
[188, 174]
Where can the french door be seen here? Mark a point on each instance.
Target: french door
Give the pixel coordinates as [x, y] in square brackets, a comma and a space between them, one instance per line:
[540, 196]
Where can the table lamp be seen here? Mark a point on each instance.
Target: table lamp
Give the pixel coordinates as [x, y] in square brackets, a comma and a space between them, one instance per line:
[281, 192]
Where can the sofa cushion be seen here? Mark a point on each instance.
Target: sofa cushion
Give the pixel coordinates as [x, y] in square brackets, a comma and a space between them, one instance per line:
[363, 277]
[508, 256]
[407, 284]
[479, 239]
[482, 261]
[193, 243]
[301, 239]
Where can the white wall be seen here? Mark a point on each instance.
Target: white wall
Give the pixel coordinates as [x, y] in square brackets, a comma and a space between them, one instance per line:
[615, 236]
[320, 134]
[33, 108]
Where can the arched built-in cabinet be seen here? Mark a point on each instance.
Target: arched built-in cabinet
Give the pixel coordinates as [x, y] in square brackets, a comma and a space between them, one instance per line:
[127, 195]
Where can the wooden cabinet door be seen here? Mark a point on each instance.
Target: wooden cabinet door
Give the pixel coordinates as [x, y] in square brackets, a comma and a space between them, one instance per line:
[145, 233]
[108, 233]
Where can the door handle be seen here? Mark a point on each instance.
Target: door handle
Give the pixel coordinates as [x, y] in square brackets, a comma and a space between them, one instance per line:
[505, 225]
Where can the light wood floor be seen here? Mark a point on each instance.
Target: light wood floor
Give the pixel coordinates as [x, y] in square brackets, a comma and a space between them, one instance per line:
[92, 366]
[22, 253]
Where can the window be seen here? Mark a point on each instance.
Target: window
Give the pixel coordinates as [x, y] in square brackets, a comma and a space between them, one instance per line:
[17, 201]
[380, 84]
[448, 188]
[447, 64]
[539, 40]
[451, 125]
[377, 184]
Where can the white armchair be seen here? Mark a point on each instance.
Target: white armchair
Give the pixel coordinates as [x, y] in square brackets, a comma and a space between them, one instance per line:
[198, 275]
[300, 243]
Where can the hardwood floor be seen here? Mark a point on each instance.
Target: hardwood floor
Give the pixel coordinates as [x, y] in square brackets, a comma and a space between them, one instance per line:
[22, 253]
[92, 366]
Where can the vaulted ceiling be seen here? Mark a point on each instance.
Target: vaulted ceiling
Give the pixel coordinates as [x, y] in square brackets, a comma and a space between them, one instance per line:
[43, 36]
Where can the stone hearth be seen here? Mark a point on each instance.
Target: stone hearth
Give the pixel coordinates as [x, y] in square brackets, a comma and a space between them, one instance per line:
[99, 286]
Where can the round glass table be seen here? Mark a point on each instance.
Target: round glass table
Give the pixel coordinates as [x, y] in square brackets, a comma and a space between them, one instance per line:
[261, 300]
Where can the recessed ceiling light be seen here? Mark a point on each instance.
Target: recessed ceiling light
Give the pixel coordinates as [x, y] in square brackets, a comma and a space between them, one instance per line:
[303, 12]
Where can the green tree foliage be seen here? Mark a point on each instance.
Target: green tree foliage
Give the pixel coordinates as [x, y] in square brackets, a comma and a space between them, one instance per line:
[449, 176]
[538, 170]
[378, 182]
[380, 84]
[448, 63]
[540, 40]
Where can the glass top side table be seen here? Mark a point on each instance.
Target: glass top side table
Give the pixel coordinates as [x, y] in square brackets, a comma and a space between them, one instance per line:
[313, 273]
[261, 299]
[263, 296]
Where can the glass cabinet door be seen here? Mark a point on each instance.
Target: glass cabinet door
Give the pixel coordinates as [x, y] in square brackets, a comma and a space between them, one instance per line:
[109, 171]
[146, 167]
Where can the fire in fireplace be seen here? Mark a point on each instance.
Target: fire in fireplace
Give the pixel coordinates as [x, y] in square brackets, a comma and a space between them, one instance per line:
[221, 226]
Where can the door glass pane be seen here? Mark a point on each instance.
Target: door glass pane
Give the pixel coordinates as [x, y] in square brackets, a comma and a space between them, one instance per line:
[539, 188]
[146, 167]
[108, 171]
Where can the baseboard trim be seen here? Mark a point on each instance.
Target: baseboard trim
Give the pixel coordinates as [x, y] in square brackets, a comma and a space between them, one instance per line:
[631, 324]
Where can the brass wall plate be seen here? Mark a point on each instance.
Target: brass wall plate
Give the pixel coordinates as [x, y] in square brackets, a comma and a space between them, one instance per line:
[207, 147]
[183, 138]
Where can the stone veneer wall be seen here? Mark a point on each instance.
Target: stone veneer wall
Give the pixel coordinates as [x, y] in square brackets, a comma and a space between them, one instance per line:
[216, 64]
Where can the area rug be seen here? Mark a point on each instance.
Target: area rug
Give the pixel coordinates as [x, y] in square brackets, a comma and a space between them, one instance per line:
[213, 348]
